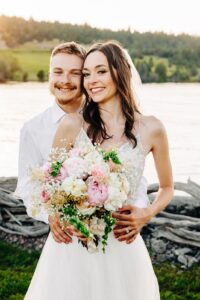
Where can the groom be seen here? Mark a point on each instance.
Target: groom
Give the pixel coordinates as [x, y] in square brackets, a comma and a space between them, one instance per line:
[37, 134]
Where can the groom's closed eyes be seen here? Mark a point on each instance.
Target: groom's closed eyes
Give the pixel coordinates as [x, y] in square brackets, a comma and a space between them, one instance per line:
[59, 71]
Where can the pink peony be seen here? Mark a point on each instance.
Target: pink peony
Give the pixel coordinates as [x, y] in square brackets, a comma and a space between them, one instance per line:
[62, 173]
[97, 193]
[47, 170]
[44, 196]
[99, 173]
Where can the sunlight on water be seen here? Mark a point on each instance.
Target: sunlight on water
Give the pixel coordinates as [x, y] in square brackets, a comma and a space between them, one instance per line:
[177, 105]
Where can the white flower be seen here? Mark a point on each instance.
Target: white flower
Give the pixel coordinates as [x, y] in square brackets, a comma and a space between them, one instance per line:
[74, 186]
[118, 188]
[97, 226]
[91, 246]
[76, 166]
[86, 210]
[93, 158]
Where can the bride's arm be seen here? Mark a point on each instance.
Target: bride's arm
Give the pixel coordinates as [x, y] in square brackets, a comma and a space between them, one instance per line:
[138, 217]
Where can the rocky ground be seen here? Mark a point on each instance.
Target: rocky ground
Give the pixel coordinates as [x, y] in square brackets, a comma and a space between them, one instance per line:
[162, 242]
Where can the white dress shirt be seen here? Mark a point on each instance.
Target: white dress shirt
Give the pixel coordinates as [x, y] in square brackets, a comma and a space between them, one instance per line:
[36, 140]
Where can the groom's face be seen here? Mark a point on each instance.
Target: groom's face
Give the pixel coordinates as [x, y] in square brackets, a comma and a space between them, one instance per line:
[65, 77]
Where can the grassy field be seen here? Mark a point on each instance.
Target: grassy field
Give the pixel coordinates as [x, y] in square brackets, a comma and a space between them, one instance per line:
[30, 61]
[17, 266]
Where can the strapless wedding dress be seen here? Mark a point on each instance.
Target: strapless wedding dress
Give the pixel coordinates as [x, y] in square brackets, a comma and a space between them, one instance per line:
[124, 272]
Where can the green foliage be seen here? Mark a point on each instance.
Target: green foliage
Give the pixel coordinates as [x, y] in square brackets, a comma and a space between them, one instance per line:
[177, 284]
[111, 155]
[28, 62]
[32, 41]
[161, 71]
[8, 67]
[55, 168]
[17, 267]
[80, 226]
[110, 222]
[41, 75]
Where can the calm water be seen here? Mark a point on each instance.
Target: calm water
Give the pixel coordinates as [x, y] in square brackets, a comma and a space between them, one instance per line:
[177, 105]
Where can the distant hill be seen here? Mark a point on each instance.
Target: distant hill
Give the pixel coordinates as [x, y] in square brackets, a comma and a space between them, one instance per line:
[158, 56]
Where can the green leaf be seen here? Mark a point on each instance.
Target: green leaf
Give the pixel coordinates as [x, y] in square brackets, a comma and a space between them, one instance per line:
[55, 168]
[111, 155]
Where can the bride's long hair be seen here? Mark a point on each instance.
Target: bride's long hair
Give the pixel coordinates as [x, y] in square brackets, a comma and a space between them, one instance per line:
[117, 60]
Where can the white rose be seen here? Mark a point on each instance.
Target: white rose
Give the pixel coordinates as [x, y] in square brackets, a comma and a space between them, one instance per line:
[115, 199]
[74, 186]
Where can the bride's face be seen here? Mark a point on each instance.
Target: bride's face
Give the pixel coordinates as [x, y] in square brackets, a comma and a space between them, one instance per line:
[98, 81]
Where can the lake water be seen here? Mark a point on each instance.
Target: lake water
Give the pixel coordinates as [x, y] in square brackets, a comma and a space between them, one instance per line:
[177, 105]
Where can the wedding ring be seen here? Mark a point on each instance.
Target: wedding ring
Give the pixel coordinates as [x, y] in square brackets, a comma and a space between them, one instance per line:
[127, 230]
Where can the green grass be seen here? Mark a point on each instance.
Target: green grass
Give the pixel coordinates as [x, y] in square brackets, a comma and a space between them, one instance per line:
[17, 267]
[31, 61]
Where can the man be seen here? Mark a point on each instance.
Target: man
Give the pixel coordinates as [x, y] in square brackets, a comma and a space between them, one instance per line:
[38, 133]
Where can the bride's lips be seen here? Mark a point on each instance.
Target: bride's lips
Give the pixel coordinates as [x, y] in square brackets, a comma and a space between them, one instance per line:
[96, 90]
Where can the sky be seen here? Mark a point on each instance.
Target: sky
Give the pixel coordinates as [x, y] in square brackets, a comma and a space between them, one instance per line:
[170, 16]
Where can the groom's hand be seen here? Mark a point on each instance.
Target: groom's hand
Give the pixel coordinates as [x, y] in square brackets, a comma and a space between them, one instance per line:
[129, 222]
[58, 234]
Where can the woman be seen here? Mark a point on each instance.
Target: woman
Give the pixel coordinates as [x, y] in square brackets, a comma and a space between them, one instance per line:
[112, 119]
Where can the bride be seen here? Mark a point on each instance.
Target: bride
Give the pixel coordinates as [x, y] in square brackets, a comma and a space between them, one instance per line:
[111, 118]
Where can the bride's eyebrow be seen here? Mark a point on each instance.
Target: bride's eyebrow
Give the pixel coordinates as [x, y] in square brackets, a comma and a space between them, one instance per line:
[96, 67]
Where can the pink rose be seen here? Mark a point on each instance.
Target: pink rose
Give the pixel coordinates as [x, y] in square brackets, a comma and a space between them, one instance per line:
[97, 193]
[44, 196]
[99, 173]
[62, 173]
[47, 170]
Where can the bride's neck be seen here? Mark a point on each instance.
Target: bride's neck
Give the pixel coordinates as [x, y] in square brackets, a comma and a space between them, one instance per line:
[111, 112]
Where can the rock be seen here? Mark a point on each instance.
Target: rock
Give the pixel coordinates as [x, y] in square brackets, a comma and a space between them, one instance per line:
[187, 260]
[158, 246]
[182, 251]
[191, 261]
[160, 258]
[182, 259]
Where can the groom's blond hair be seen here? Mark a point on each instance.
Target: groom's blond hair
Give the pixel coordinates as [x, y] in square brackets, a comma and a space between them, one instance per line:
[70, 48]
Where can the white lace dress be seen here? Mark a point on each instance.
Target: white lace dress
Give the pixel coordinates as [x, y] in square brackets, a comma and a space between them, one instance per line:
[124, 272]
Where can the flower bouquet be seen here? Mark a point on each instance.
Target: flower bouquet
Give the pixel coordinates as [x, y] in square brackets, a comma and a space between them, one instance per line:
[83, 186]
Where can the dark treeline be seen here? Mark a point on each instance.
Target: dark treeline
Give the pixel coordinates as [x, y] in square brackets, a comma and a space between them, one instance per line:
[159, 57]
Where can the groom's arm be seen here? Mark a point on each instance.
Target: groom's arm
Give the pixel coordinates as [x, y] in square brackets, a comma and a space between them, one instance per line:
[29, 157]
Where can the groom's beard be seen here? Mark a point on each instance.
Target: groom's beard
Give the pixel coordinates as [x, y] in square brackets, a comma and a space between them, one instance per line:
[65, 93]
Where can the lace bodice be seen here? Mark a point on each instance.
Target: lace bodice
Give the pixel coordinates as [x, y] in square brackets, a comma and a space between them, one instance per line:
[133, 159]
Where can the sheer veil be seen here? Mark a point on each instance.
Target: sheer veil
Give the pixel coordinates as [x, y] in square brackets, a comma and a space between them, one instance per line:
[136, 82]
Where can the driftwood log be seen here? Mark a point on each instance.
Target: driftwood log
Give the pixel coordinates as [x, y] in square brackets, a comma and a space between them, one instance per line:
[179, 222]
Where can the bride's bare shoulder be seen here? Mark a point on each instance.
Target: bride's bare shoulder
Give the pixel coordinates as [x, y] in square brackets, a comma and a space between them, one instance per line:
[152, 124]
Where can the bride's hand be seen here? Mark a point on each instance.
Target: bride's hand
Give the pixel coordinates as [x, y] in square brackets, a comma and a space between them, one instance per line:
[129, 225]
[58, 234]
[80, 236]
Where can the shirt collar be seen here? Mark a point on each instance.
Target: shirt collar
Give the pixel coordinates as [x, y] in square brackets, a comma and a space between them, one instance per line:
[57, 113]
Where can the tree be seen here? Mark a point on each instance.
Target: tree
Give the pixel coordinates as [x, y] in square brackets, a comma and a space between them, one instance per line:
[161, 71]
[41, 75]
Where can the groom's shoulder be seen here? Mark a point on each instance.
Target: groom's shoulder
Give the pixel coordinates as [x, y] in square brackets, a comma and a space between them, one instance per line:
[38, 121]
